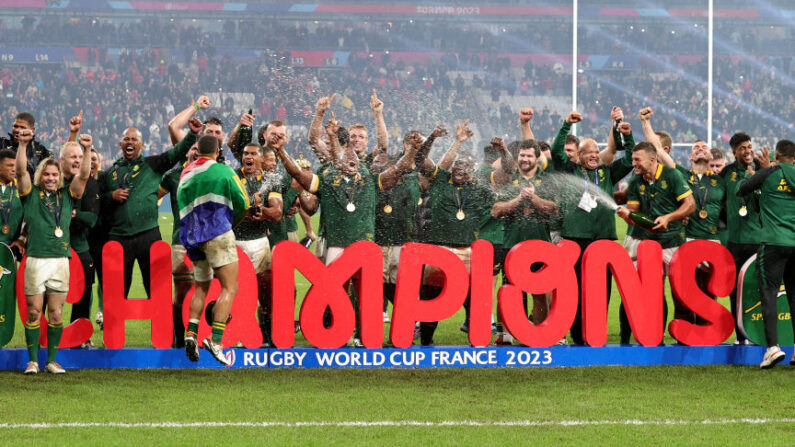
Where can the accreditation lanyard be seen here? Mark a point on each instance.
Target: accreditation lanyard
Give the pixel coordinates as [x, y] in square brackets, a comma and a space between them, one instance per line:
[587, 180]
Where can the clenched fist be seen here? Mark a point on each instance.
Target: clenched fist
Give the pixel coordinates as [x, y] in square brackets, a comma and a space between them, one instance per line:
[525, 115]
[574, 117]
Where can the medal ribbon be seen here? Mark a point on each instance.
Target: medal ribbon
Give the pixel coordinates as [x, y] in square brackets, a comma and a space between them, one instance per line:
[460, 198]
[5, 213]
[350, 193]
[702, 201]
[55, 210]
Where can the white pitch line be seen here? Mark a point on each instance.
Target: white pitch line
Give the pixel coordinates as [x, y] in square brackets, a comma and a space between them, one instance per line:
[266, 424]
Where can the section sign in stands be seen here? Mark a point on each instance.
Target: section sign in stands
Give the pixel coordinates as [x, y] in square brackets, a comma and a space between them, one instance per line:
[8, 306]
[751, 321]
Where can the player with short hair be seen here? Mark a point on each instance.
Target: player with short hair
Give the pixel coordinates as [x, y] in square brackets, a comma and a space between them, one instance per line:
[211, 200]
[525, 209]
[590, 220]
[742, 212]
[662, 193]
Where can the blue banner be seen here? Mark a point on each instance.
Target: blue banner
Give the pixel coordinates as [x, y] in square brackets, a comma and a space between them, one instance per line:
[415, 357]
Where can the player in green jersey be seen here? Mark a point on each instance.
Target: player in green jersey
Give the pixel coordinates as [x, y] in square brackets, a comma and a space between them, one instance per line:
[48, 206]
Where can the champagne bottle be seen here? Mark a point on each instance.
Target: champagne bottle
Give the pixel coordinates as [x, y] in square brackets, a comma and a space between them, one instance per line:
[643, 220]
[244, 134]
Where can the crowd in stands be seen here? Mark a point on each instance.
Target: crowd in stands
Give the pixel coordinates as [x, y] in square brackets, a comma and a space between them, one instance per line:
[538, 35]
[137, 88]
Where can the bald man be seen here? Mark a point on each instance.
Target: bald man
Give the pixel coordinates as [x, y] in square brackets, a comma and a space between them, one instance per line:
[129, 197]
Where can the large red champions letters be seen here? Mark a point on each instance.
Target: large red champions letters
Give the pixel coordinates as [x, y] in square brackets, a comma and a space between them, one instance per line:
[534, 267]
[556, 276]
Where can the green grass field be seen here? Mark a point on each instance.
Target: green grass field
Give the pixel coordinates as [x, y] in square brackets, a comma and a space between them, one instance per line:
[704, 405]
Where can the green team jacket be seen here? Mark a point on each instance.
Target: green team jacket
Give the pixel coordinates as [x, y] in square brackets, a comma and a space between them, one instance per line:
[142, 176]
[600, 223]
[776, 202]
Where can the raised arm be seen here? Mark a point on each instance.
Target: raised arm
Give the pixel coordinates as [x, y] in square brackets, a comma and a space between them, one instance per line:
[462, 133]
[304, 178]
[23, 177]
[176, 125]
[608, 154]
[74, 126]
[525, 116]
[247, 119]
[421, 159]
[393, 173]
[648, 133]
[316, 128]
[381, 135]
[558, 149]
[78, 184]
[332, 127]
[507, 165]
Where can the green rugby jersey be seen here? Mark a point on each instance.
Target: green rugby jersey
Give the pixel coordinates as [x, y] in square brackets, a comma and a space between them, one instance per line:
[39, 209]
[11, 212]
[493, 228]
[525, 222]
[249, 229]
[394, 213]
[658, 198]
[347, 224]
[447, 199]
[709, 192]
[168, 185]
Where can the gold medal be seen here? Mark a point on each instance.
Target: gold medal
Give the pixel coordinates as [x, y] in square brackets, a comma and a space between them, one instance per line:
[6, 229]
[526, 211]
[58, 232]
[743, 211]
[388, 209]
[351, 207]
[703, 214]
[460, 215]
[419, 202]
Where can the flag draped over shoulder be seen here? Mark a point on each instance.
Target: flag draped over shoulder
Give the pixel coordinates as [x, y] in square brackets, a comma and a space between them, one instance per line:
[211, 200]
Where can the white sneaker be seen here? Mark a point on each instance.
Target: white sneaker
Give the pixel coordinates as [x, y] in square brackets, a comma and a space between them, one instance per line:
[99, 319]
[191, 348]
[54, 368]
[354, 343]
[33, 368]
[503, 339]
[562, 341]
[744, 342]
[216, 350]
[773, 355]
[386, 317]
